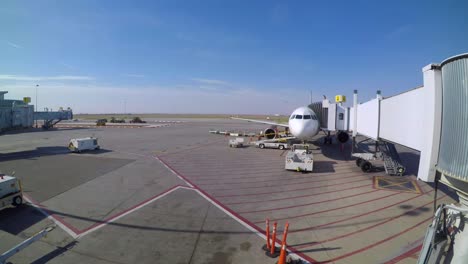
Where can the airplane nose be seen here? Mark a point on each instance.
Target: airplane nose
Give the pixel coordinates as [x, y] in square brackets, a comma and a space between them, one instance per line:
[298, 130]
[301, 131]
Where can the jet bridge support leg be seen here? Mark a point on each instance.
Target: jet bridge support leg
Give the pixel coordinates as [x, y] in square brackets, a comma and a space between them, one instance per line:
[328, 138]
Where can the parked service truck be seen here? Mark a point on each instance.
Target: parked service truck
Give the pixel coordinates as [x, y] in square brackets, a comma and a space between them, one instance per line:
[266, 144]
[299, 158]
[82, 144]
[10, 191]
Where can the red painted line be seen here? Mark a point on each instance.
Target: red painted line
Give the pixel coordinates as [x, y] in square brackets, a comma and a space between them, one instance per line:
[299, 196]
[306, 204]
[408, 254]
[109, 219]
[178, 173]
[282, 180]
[329, 210]
[239, 169]
[247, 176]
[74, 229]
[205, 161]
[276, 186]
[366, 228]
[252, 225]
[182, 150]
[377, 243]
[265, 160]
[302, 255]
[354, 217]
[300, 189]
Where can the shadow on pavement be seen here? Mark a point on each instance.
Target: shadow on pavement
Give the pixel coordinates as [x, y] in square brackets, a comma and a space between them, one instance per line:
[44, 151]
[149, 228]
[15, 220]
[55, 253]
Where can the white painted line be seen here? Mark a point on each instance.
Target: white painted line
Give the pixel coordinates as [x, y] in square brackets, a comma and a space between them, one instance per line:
[187, 188]
[173, 172]
[113, 219]
[58, 223]
[240, 221]
[233, 216]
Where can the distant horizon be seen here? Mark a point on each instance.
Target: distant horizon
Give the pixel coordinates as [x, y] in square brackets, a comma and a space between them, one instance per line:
[194, 114]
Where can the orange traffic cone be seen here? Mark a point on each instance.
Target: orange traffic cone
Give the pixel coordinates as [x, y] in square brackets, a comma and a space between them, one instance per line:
[284, 252]
[267, 246]
[274, 251]
[282, 257]
[285, 233]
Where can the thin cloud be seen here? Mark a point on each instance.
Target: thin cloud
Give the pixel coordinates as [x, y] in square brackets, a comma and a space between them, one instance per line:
[135, 75]
[399, 32]
[156, 99]
[14, 45]
[210, 81]
[45, 78]
[66, 65]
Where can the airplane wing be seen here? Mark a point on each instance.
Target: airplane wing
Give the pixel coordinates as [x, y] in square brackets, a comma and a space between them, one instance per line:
[261, 122]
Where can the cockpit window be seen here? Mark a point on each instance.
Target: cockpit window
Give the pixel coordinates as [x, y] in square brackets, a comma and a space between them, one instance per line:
[307, 117]
[314, 117]
[298, 116]
[292, 116]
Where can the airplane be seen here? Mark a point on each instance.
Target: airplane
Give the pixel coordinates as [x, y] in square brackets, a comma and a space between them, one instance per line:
[303, 124]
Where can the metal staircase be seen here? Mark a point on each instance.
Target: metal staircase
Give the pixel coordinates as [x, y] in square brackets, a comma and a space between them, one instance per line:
[392, 161]
[50, 123]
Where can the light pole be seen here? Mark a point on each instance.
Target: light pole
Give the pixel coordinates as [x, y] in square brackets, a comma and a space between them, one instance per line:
[37, 85]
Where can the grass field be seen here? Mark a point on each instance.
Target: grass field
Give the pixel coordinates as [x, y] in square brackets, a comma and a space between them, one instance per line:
[281, 119]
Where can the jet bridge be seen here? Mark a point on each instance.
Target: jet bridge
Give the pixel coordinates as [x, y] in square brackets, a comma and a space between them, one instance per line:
[332, 117]
[51, 118]
[432, 119]
[411, 119]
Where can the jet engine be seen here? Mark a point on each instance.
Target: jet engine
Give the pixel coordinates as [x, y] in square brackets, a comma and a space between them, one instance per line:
[270, 133]
[342, 137]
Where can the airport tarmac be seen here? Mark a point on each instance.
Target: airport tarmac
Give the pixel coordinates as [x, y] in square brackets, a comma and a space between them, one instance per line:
[177, 194]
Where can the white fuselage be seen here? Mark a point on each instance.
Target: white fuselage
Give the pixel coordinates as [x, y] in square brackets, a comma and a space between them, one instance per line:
[303, 123]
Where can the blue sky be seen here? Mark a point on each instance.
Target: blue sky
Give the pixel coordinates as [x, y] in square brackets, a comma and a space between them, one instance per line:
[220, 56]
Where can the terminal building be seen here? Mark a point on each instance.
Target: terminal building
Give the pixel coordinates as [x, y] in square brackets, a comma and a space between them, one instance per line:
[15, 114]
[19, 114]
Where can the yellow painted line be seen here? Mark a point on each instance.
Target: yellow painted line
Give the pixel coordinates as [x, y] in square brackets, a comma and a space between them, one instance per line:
[399, 183]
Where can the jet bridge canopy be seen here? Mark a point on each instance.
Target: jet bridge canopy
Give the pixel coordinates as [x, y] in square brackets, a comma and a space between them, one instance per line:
[402, 118]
